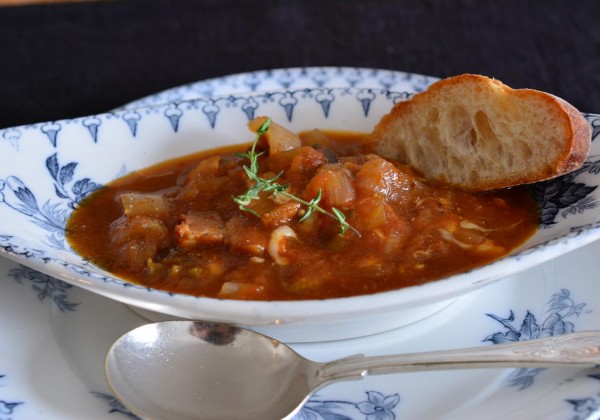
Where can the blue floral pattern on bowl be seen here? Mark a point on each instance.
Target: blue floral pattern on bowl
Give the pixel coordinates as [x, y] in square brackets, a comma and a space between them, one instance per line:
[47, 168]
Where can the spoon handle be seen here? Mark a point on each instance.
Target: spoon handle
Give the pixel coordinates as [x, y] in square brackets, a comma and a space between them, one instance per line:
[575, 350]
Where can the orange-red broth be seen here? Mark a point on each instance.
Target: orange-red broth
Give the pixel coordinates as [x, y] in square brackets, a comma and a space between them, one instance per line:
[174, 226]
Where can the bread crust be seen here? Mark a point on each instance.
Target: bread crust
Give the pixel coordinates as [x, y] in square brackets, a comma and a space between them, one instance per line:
[567, 152]
[582, 138]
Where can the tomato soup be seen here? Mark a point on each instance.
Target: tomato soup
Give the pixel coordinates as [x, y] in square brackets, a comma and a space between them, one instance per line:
[176, 226]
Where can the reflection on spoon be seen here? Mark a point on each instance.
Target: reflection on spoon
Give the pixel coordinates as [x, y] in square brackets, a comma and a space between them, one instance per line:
[206, 370]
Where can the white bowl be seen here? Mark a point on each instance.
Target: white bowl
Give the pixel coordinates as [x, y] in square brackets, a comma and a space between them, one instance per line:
[46, 168]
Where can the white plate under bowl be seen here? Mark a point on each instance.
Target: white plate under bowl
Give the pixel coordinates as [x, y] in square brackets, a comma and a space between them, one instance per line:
[551, 299]
[46, 168]
[55, 337]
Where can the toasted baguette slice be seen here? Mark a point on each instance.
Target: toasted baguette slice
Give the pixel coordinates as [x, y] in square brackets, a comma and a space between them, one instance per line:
[478, 134]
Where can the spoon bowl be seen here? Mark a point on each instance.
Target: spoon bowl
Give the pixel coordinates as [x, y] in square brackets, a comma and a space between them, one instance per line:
[236, 372]
[207, 370]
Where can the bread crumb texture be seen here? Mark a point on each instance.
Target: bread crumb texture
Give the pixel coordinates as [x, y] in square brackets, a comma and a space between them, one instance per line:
[476, 133]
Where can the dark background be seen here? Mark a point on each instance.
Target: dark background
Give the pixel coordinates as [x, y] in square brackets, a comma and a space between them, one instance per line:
[62, 61]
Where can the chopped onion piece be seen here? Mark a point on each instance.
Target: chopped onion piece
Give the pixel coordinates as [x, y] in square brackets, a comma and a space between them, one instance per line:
[487, 246]
[450, 238]
[279, 138]
[465, 224]
[230, 287]
[138, 204]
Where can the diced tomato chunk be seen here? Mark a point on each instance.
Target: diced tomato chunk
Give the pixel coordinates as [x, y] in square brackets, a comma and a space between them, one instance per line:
[246, 237]
[138, 238]
[280, 215]
[199, 228]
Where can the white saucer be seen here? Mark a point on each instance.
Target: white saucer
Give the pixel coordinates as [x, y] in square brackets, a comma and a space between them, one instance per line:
[60, 375]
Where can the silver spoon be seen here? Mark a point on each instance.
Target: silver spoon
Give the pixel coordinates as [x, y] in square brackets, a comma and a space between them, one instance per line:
[206, 370]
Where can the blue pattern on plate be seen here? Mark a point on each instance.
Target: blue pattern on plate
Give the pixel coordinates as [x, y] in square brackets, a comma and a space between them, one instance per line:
[561, 310]
[46, 287]
[377, 406]
[115, 405]
[7, 408]
[585, 408]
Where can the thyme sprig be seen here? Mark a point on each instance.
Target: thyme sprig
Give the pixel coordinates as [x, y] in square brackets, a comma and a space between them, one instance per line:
[270, 185]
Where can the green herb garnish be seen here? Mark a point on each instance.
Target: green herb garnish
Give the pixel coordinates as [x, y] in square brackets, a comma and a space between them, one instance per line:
[271, 185]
